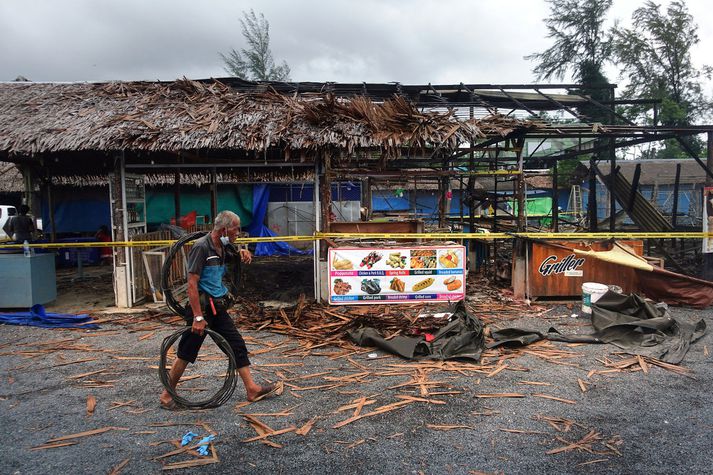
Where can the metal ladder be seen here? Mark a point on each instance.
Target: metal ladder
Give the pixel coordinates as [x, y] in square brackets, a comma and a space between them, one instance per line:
[574, 206]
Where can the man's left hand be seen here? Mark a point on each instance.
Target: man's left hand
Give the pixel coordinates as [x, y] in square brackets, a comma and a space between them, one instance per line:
[245, 256]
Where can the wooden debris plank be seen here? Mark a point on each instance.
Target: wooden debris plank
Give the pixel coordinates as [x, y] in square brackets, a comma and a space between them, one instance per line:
[554, 398]
[380, 410]
[86, 433]
[53, 446]
[91, 404]
[304, 430]
[276, 432]
[500, 395]
[420, 399]
[448, 427]
[116, 470]
[84, 375]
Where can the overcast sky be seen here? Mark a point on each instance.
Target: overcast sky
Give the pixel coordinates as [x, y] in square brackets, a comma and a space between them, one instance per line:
[409, 41]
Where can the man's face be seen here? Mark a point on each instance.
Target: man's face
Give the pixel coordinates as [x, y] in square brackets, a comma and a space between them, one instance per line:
[233, 231]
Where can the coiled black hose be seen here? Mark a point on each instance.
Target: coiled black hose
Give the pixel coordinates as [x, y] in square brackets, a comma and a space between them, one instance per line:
[222, 395]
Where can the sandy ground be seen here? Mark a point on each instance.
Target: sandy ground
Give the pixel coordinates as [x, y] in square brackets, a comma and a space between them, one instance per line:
[434, 417]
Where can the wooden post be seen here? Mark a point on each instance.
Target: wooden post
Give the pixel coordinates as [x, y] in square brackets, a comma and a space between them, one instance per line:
[177, 196]
[708, 257]
[592, 201]
[674, 210]
[213, 195]
[521, 198]
[612, 184]
[325, 193]
[50, 205]
[676, 185]
[122, 289]
[555, 199]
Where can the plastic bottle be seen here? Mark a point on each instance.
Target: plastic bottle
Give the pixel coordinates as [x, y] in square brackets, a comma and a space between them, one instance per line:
[26, 248]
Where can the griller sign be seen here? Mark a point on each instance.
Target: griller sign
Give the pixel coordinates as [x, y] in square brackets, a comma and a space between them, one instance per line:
[567, 266]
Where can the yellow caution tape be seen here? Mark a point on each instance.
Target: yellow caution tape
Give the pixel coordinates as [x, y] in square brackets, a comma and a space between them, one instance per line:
[396, 236]
[536, 235]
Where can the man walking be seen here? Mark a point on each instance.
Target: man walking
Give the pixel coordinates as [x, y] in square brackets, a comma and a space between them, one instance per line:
[206, 292]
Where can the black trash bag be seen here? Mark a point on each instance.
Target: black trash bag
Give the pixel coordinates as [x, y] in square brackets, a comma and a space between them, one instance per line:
[461, 338]
[628, 321]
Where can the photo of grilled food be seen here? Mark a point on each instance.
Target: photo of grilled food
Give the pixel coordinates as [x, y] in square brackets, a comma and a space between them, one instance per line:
[449, 259]
[452, 283]
[342, 264]
[425, 283]
[341, 287]
[397, 284]
[396, 260]
[423, 259]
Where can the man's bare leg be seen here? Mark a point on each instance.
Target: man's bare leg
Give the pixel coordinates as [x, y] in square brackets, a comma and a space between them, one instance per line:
[177, 370]
[251, 387]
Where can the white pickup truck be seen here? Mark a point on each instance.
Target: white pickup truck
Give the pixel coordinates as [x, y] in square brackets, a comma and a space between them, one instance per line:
[4, 215]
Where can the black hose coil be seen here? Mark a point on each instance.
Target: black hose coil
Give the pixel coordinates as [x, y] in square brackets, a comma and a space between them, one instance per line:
[222, 395]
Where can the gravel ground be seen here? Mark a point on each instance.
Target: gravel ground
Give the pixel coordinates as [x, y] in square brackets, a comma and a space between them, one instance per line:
[655, 422]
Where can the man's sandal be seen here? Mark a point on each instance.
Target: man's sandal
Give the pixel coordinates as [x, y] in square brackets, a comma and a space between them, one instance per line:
[171, 406]
[267, 391]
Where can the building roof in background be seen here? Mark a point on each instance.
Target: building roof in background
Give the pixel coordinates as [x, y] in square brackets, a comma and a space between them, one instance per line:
[657, 171]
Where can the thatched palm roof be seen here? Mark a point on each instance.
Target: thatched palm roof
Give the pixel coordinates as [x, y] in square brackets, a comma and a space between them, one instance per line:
[186, 115]
[10, 178]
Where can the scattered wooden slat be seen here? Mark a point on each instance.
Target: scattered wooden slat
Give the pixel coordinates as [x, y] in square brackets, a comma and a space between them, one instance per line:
[420, 399]
[276, 432]
[304, 430]
[148, 335]
[118, 404]
[554, 398]
[380, 410]
[86, 433]
[448, 427]
[90, 373]
[91, 404]
[643, 364]
[500, 395]
[591, 462]
[53, 446]
[522, 431]
[497, 370]
[534, 383]
[73, 362]
[117, 468]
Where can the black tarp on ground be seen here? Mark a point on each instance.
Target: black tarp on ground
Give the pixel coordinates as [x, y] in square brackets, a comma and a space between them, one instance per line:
[461, 338]
[627, 321]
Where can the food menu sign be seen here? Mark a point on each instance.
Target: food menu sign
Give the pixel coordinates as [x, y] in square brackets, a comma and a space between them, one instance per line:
[396, 275]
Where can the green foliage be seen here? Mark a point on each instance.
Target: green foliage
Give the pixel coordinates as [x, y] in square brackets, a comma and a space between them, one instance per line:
[655, 58]
[255, 62]
[580, 40]
[568, 173]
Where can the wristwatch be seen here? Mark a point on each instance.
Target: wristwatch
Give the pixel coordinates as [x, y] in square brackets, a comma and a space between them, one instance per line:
[199, 318]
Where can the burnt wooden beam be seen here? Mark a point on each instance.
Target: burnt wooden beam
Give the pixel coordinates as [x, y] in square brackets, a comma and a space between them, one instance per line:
[634, 187]
[592, 198]
[676, 185]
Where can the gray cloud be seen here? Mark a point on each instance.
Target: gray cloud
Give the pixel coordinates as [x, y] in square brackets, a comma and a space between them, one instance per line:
[417, 41]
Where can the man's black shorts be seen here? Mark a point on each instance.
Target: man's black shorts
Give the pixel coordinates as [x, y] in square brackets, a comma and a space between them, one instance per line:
[221, 323]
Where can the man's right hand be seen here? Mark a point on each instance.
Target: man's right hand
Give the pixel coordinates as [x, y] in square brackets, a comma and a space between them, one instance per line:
[198, 327]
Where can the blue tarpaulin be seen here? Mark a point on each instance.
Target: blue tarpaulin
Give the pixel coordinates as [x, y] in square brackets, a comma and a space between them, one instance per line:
[256, 228]
[38, 317]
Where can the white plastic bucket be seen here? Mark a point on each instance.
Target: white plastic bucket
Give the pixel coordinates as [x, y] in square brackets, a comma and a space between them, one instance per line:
[591, 292]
